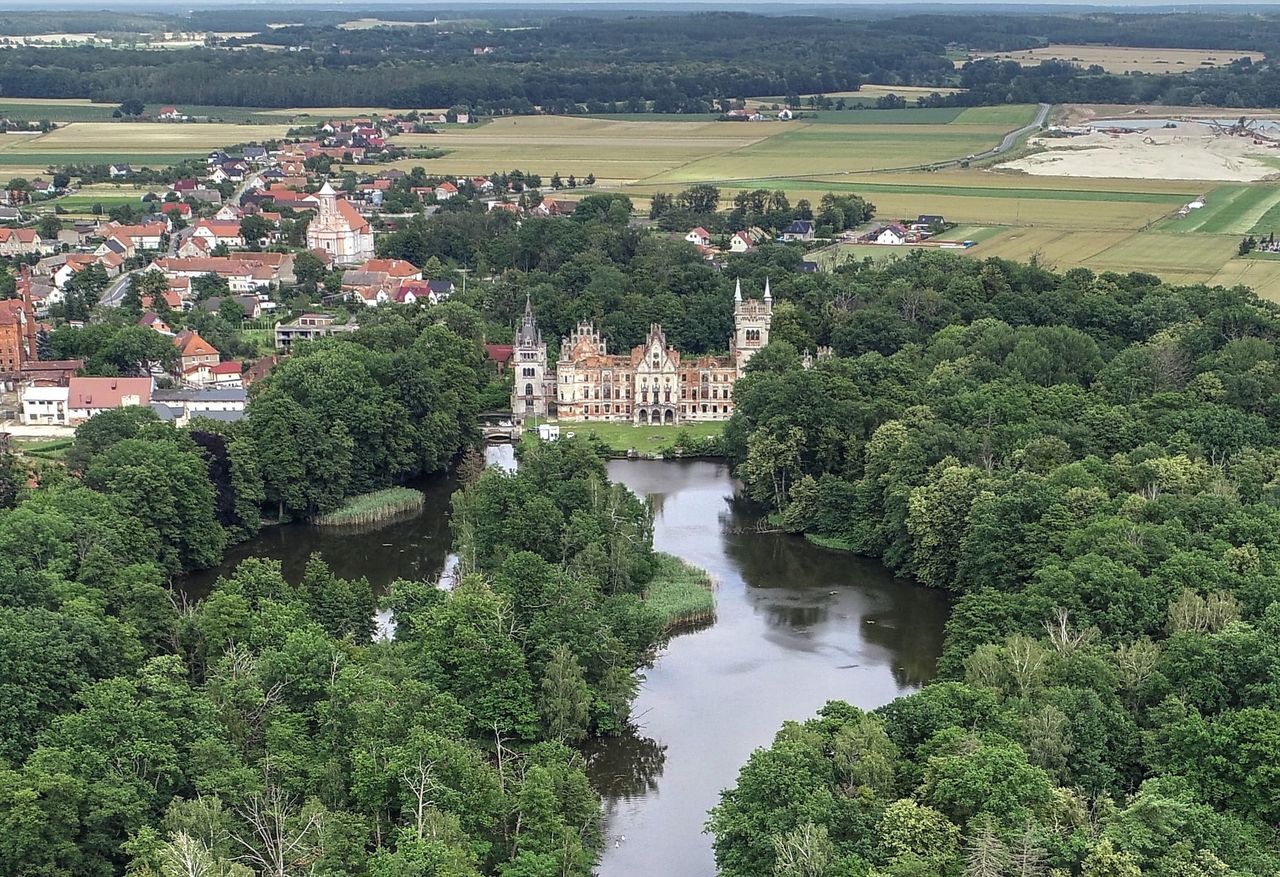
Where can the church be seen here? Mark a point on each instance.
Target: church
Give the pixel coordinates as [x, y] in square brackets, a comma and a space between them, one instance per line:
[651, 384]
[339, 230]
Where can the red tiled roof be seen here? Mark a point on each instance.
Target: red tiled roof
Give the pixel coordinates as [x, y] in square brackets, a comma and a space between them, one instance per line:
[499, 353]
[107, 392]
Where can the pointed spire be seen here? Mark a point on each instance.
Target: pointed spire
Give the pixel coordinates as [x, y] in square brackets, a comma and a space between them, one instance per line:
[528, 308]
[737, 290]
[768, 296]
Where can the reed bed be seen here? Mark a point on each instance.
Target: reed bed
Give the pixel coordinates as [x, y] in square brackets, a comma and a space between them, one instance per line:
[371, 508]
[682, 594]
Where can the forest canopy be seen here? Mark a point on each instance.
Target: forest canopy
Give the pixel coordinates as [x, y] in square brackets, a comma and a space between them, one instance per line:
[1091, 464]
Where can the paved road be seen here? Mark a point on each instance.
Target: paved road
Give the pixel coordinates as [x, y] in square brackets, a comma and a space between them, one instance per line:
[115, 292]
[1013, 136]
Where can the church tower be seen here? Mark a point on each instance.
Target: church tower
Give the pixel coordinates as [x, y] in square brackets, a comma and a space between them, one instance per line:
[530, 392]
[751, 320]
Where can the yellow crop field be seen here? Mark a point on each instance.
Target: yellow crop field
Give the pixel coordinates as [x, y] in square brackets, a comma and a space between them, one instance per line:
[1263, 275]
[1126, 59]
[124, 137]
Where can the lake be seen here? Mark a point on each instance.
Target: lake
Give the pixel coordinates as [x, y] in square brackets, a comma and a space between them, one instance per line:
[797, 625]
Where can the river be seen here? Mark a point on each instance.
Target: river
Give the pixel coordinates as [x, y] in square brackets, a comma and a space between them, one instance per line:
[797, 625]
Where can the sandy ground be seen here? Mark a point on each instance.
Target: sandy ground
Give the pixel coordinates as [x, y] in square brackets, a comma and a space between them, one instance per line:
[1187, 152]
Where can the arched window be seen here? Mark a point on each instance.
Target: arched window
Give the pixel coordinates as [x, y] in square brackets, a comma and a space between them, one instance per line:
[528, 389]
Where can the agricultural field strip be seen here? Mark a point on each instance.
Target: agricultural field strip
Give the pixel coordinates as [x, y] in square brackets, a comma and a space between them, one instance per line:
[985, 191]
[1219, 211]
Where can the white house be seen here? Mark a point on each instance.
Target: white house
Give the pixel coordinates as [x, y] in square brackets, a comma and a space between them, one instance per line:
[45, 405]
[741, 242]
[699, 237]
[892, 235]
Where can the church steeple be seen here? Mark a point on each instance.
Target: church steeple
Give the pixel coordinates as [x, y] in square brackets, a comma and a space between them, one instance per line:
[529, 333]
[737, 290]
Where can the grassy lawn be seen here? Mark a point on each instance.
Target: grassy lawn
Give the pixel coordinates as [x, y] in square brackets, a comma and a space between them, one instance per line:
[43, 448]
[623, 437]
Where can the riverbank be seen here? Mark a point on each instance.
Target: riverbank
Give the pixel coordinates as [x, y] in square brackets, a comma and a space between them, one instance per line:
[653, 442]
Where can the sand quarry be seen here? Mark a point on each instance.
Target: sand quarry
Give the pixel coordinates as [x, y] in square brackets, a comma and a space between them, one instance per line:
[1189, 151]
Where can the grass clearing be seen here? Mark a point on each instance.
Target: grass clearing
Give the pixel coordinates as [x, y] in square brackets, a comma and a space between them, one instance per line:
[141, 143]
[370, 508]
[655, 440]
[1125, 59]
[681, 593]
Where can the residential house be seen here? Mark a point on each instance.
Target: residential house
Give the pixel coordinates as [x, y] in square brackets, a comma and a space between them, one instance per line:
[227, 374]
[798, 230]
[150, 320]
[927, 221]
[699, 237]
[90, 396]
[193, 247]
[445, 191]
[741, 242]
[176, 209]
[244, 272]
[555, 207]
[894, 235]
[169, 114]
[250, 304]
[229, 213]
[396, 269]
[309, 327]
[500, 355]
[149, 236]
[23, 242]
[216, 232]
[259, 370]
[118, 171]
[42, 186]
[370, 287]
[194, 354]
[217, 403]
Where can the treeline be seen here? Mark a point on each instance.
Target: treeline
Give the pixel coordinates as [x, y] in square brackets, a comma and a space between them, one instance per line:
[591, 266]
[993, 32]
[1091, 463]
[266, 730]
[666, 63]
[676, 62]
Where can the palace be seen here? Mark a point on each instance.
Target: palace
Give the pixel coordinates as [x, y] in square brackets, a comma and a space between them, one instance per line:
[652, 383]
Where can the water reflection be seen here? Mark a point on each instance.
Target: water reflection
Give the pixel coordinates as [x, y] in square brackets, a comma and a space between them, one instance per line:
[414, 547]
[797, 625]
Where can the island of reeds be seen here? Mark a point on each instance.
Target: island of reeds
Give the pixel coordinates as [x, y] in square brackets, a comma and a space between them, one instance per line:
[371, 508]
[682, 593]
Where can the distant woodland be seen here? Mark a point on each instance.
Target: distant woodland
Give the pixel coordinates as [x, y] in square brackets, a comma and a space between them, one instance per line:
[686, 63]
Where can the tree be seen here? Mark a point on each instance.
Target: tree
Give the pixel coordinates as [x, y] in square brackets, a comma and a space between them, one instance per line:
[132, 107]
[165, 485]
[254, 229]
[48, 227]
[566, 699]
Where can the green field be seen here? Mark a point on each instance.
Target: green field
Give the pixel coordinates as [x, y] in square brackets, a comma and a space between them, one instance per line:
[623, 437]
[1235, 209]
